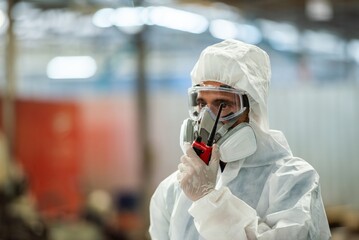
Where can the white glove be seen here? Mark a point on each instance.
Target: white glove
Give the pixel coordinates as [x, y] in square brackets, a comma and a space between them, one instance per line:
[195, 177]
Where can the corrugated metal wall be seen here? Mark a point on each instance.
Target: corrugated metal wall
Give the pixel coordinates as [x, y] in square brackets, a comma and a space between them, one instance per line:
[321, 125]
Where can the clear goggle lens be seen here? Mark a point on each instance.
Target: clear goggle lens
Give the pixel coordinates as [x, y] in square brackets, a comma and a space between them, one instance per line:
[208, 97]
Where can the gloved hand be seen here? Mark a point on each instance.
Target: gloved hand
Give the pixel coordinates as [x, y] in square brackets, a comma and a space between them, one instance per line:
[195, 177]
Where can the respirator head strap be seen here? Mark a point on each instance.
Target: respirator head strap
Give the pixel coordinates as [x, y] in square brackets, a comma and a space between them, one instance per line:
[225, 128]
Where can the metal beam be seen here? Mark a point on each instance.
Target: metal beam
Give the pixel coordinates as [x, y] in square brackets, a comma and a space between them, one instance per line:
[10, 84]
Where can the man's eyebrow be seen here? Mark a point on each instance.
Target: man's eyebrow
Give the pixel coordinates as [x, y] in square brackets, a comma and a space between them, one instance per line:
[200, 99]
[226, 86]
[221, 100]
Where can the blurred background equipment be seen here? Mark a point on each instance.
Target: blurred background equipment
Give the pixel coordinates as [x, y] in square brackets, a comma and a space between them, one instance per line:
[18, 215]
[91, 91]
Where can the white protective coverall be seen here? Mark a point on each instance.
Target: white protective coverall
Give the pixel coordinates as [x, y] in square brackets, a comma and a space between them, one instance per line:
[268, 195]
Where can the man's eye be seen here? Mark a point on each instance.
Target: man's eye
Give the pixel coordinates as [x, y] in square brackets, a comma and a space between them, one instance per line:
[224, 104]
[201, 104]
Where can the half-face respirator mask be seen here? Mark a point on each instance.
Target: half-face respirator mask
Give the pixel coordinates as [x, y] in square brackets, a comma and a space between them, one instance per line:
[214, 112]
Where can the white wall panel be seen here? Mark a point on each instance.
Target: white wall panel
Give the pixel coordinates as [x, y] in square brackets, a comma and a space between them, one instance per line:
[321, 125]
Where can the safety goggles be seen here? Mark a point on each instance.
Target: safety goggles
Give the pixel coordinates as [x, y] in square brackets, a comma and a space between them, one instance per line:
[210, 97]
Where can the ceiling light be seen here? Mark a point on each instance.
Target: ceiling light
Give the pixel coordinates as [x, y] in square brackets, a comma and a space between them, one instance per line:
[223, 29]
[178, 20]
[102, 18]
[319, 10]
[71, 67]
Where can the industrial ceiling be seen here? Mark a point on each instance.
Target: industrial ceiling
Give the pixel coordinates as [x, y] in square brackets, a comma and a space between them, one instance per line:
[341, 17]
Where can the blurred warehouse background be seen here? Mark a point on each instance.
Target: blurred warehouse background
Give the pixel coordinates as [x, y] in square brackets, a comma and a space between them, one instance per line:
[93, 94]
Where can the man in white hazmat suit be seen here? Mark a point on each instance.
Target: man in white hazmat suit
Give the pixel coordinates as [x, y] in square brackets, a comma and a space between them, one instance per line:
[253, 187]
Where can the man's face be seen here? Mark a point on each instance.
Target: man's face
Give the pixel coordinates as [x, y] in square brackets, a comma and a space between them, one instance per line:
[213, 99]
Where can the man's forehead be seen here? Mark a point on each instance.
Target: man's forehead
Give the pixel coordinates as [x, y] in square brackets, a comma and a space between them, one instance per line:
[215, 94]
[215, 84]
